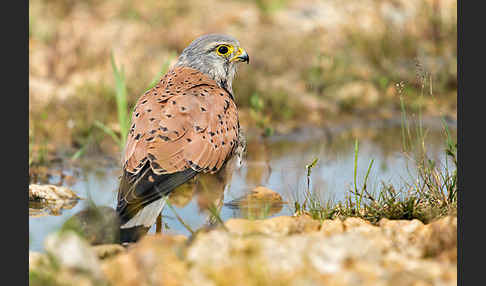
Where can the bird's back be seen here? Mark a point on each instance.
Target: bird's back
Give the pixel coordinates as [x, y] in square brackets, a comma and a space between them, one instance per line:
[184, 125]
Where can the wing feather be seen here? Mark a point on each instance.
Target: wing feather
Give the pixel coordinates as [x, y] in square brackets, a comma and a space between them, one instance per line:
[185, 122]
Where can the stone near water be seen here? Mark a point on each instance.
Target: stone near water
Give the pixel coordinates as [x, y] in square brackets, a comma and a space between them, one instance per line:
[104, 251]
[258, 203]
[51, 193]
[50, 199]
[71, 251]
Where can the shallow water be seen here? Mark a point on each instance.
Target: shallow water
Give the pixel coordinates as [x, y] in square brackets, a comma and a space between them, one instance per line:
[279, 163]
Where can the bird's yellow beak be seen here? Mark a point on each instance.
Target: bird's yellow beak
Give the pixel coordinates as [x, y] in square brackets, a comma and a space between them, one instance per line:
[241, 56]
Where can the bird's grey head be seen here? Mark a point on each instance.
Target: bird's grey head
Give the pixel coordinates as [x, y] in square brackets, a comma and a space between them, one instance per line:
[216, 55]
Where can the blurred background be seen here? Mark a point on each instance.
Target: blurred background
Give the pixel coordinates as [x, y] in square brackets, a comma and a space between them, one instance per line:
[313, 63]
[358, 87]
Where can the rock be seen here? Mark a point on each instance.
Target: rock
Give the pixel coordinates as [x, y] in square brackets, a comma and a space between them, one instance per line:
[123, 270]
[70, 251]
[355, 253]
[96, 224]
[408, 236]
[38, 209]
[330, 227]
[281, 225]
[108, 250]
[442, 239]
[402, 226]
[436, 239]
[293, 251]
[50, 200]
[259, 195]
[263, 194]
[36, 259]
[342, 259]
[155, 260]
[50, 193]
[359, 225]
[258, 203]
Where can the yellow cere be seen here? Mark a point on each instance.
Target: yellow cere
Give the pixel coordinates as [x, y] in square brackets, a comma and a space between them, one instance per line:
[239, 52]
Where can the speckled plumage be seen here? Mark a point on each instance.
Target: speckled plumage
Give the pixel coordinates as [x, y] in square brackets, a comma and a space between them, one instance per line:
[186, 121]
[186, 124]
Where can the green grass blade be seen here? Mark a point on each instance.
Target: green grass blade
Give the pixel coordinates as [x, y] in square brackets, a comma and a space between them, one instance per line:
[404, 126]
[179, 218]
[108, 131]
[356, 149]
[366, 178]
[121, 101]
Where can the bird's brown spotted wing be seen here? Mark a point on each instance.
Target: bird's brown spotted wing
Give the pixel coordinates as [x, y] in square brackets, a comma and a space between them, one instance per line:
[185, 121]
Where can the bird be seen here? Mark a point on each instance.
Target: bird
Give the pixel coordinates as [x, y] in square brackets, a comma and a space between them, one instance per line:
[187, 124]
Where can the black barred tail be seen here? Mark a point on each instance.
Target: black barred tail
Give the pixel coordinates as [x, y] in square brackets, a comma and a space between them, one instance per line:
[132, 234]
[141, 198]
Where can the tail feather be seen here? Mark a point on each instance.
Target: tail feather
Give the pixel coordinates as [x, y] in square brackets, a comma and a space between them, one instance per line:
[132, 234]
[147, 215]
[141, 198]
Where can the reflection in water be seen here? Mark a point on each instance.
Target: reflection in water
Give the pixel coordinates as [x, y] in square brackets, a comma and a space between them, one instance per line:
[277, 163]
[261, 202]
[257, 210]
[38, 209]
[206, 189]
[258, 162]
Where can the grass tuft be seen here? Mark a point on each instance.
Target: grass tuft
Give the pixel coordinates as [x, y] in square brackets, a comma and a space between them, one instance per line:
[428, 196]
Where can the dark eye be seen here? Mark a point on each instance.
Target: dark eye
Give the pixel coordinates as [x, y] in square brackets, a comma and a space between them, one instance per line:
[223, 50]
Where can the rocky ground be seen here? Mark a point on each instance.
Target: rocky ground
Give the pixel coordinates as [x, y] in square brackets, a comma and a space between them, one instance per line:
[277, 251]
[50, 199]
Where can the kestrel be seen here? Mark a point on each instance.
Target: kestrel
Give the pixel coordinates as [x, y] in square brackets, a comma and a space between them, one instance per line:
[185, 125]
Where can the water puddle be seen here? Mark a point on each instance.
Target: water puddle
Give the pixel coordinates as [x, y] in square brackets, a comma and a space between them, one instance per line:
[277, 163]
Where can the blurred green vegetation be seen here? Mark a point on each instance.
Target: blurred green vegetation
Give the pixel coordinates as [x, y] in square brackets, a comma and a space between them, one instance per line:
[122, 108]
[311, 62]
